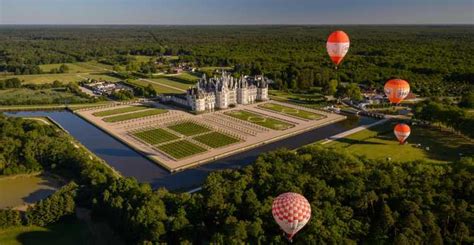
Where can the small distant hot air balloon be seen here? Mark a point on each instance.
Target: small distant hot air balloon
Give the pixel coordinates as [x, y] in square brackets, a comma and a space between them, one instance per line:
[402, 131]
[291, 211]
[396, 90]
[337, 46]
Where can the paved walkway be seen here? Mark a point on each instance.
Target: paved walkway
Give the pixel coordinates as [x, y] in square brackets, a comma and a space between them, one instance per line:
[353, 131]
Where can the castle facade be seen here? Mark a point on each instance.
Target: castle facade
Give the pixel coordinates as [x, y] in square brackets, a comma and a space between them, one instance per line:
[225, 91]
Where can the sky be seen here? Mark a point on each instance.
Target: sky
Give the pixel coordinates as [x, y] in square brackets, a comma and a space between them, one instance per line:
[221, 12]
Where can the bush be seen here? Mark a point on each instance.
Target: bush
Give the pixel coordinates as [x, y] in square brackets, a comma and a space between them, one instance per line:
[9, 218]
[53, 208]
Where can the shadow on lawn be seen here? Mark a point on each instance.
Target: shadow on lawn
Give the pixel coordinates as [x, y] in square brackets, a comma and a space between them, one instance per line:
[438, 144]
[359, 142]
[68, 232]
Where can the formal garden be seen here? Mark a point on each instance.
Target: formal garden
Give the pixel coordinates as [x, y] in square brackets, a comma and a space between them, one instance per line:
[216, 139]
[155, 136]
[261, 120]
[181, 149]
[119, 111]
[130, 116]
[291, 111]
[189, 128]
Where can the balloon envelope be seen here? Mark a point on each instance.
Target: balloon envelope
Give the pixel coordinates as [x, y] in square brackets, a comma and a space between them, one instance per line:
[337, 46]
[396, 90]
[402, 131]
[291, 211]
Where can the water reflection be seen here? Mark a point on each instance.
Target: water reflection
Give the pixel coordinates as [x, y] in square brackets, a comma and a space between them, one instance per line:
[132, 164]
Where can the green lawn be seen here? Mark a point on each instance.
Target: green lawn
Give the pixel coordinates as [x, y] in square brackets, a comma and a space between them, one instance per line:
[310, 100]
[158, 88]
[47, 78]
[156, 136]
[291, 111]
[143, 58]
[119, 111]
[213, 68]
[189, 128]
[24, 96]
[215, 139]
[73, 67]
[187, 77]
[102, 76]
[379, 142]
[60, 234]
[180, 149]
[173, 82]
[130, 116]
[261, 120]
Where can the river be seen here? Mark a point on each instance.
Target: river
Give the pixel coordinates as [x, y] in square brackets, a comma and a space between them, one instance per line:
[132, 164]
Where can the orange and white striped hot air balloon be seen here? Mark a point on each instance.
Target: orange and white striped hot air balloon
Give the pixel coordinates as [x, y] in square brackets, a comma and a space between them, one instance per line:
[396, 90]
[337, 46]
[402, 131]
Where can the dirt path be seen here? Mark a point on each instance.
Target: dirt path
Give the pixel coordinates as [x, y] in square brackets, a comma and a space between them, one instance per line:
[39, 119]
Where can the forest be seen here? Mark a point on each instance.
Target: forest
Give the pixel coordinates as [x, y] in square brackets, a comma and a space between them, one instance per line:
[436, 60]
[353, 199]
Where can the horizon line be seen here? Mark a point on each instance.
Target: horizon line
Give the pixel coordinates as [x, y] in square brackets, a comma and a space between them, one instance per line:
[327, 24]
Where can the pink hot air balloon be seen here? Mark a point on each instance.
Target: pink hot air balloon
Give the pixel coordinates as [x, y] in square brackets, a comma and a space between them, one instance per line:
[291, 211]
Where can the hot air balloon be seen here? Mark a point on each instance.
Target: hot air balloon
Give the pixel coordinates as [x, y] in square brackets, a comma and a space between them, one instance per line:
[291, 211]
[396, 90]
[401, 131]
[337, 46]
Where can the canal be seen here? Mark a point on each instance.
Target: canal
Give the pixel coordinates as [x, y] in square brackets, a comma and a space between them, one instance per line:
[132, 164]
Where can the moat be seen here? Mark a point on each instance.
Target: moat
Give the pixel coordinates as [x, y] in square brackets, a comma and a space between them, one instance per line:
[132, 164]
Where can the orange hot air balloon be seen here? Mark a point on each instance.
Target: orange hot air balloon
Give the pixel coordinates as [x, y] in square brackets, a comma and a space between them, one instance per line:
[402, 131]
[337, 46]
[396, 90]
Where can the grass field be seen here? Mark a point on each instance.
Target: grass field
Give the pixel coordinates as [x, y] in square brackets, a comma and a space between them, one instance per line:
[189, 128]
[101, 76]
[136, 115]
[291, 111]
[173, 82]
[119, 111]
[46, 78]
[158, 88]
[310, 100]
[214, 68]
[143, 58]
[215, 139]
[180, 149]
[24, 96]
[58, 234]
[379, 142]
[261, 120]
[187, 77]
[156, 136]
[62, 77]
[73, 67]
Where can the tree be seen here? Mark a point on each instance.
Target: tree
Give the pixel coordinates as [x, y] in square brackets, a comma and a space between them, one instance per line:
[467, 100]
[330, 87]
[63, 68]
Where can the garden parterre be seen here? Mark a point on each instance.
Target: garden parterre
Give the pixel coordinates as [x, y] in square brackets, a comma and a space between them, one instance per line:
[291, 111]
